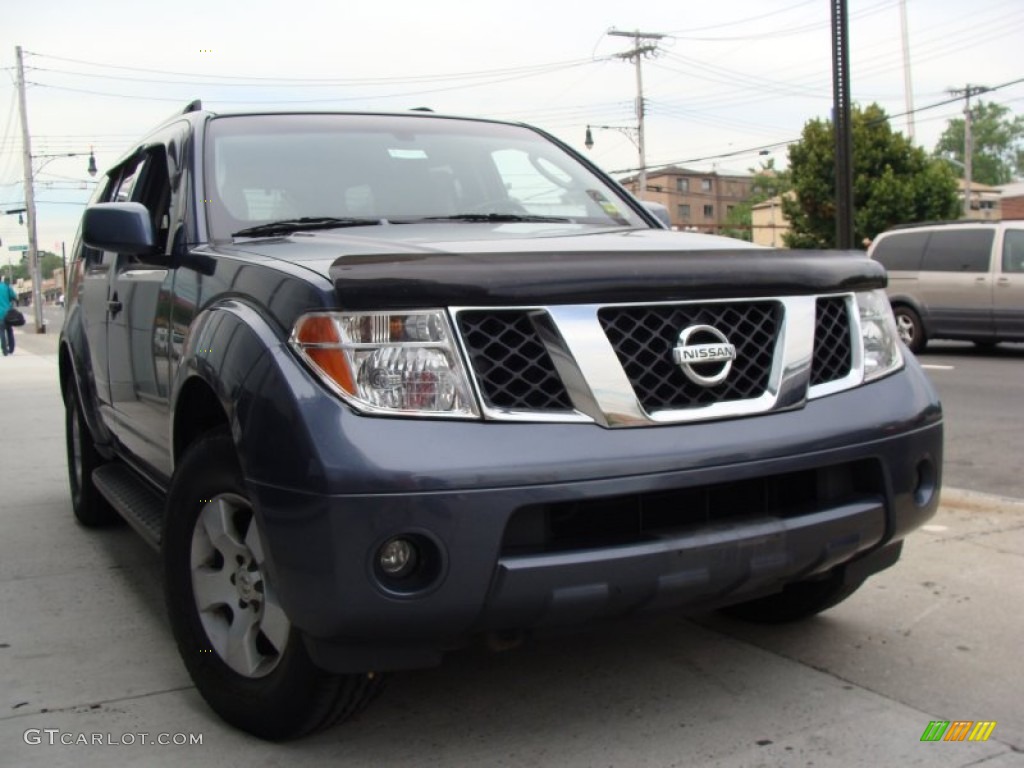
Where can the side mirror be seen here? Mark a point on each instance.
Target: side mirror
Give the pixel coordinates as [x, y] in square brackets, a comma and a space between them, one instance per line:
[659, 211]
[119, 227]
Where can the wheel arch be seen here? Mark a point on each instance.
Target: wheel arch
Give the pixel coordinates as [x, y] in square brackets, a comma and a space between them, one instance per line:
[197, 411]
[73, 371]
[235, 371]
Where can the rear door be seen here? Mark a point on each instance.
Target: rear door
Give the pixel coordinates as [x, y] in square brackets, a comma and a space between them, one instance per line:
[1008, 301]
[956, 282]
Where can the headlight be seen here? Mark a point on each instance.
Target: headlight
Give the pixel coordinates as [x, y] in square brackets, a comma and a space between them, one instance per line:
[879, 337]
[401, 363]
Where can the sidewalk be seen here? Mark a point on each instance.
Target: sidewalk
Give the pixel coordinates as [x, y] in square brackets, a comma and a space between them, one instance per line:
[27, 341]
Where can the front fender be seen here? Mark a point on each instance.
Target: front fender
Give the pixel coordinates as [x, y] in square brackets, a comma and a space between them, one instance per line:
[243, 359]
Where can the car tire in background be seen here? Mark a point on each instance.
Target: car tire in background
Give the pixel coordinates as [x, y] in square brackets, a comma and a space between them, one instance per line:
[796, 601]
[910, 328]
[90, 508]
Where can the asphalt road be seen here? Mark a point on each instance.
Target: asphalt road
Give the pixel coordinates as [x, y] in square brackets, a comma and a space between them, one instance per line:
[982, 393]
[86, 655]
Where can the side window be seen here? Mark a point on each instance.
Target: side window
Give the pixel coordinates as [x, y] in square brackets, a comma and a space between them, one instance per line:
[901, 252]
[121, 191]
[963, 250]
[1013, 250]
[153, 190]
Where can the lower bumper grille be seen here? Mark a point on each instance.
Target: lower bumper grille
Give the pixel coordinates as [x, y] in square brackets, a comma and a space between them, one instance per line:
[638, 518]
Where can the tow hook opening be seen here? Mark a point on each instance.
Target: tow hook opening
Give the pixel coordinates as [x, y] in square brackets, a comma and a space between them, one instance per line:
[925, 483]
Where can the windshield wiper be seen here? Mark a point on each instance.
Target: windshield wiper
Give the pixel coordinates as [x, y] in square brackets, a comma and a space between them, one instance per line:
[493, 217]
[287, 226]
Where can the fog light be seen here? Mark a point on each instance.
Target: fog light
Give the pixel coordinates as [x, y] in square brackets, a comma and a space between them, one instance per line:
[397, 558]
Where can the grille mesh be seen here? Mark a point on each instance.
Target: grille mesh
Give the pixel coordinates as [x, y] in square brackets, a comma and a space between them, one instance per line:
[644, 337]
[512, 366]
[833, 350]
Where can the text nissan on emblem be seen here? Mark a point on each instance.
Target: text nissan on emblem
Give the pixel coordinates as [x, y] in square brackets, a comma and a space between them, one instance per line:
[704, 354]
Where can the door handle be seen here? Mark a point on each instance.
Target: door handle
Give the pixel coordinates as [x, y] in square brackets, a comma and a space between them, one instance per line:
[1004, 281]
[114, 306]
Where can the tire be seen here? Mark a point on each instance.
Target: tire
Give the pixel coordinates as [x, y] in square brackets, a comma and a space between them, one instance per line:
[264, 682]
[795, 602]
[90, 508]
[911, 331]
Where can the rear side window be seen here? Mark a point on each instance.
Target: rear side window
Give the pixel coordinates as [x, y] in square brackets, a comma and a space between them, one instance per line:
[901, 252]
[964, 250]
[1013, 250]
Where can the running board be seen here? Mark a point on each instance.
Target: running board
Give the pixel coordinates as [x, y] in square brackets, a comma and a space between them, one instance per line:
[134, 499]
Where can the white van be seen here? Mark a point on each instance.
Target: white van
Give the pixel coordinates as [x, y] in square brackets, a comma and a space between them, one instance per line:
[955, 280]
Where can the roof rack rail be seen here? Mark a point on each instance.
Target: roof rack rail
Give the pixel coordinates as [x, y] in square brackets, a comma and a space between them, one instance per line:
[941, 223]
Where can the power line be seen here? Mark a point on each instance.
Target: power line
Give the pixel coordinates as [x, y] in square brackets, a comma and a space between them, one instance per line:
[790, 31]
[334, 99]
[777, 144]
[319, 81]
[745, 20]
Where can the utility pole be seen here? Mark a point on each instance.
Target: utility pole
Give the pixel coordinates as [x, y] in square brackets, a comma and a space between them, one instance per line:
[637, 54]
[30, 202]
[908, 88]
[967, 91]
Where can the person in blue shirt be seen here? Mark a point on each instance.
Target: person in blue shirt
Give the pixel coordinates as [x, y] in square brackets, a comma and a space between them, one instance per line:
[8, 298]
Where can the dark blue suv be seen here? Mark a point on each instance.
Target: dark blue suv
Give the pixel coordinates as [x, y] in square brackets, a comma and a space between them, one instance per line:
[376, 384]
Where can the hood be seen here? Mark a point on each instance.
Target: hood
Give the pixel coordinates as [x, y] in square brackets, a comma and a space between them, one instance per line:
[443, 264]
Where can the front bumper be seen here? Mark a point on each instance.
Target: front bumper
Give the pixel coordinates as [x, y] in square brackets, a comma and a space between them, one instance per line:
[488, 497]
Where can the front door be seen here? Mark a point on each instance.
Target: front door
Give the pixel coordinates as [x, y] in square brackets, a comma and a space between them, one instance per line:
[138, 342]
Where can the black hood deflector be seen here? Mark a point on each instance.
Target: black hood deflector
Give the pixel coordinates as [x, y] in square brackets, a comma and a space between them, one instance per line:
[409, 281]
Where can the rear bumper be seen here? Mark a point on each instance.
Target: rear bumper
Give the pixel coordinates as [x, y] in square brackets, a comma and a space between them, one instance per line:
[500, 566]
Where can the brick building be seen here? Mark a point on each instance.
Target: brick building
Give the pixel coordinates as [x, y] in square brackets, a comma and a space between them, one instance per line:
[700, 200]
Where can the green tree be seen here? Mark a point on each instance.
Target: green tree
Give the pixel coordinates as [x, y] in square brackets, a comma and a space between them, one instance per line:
[49, 263]
[894, 182]
[998, 144]
[767, 183]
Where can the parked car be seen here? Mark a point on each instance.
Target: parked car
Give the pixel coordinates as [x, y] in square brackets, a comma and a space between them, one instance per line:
[955, 280]
[377, 384]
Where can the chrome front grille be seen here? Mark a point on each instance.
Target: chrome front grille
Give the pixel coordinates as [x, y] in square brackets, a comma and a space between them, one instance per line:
[644, 337]
[614, 364]
[513, 368]
[833, 341]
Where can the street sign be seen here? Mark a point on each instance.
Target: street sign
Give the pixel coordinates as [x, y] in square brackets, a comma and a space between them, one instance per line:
[17, 247]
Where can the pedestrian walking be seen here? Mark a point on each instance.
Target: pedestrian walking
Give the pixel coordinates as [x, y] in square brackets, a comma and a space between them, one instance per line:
[8, 298]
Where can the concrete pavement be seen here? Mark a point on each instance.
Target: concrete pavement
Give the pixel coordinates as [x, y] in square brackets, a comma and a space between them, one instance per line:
[86, 654]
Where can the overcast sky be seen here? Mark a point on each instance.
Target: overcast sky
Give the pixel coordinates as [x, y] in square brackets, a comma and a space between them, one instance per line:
[728, 77]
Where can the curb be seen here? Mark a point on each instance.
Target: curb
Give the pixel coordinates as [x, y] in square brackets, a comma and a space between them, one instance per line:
[961, 498]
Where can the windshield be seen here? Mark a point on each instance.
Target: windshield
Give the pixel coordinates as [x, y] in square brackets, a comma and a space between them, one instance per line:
[262, 169]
